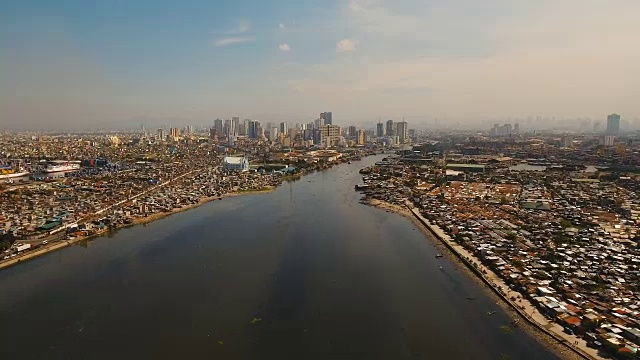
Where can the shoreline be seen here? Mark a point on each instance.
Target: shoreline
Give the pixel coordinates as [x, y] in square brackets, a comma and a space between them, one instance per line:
[558, 346]
[58, 245]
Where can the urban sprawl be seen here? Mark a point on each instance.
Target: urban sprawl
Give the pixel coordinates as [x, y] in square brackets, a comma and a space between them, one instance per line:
[549, 218]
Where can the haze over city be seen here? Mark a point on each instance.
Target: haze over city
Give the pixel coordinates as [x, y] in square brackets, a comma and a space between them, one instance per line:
[117, 64]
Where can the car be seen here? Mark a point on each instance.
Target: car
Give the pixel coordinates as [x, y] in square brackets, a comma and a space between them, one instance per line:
[45, 242]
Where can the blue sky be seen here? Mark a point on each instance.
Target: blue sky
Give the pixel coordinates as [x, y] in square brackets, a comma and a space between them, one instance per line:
[114, 62]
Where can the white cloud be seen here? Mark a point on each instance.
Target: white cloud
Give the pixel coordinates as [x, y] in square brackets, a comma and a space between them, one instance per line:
[346, 45]
[231, 40]
[243, 27]
[284, 47]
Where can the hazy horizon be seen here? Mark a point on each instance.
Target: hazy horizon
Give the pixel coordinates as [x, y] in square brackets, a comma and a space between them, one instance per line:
[83, 65]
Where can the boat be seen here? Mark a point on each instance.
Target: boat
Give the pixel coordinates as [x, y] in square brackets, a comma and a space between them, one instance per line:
[438, 256]
[362, 186]
[491, 312]
[61, 166]
[348, 162]
[440, 267]
[8, 172]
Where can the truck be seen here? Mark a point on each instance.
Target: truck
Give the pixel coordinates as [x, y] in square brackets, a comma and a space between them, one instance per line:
[23, 247]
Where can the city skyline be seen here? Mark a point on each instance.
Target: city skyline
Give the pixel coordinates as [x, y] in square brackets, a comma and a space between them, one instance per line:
[81, 65]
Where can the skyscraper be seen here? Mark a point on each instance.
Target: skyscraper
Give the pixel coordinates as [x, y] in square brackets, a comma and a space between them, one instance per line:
[284, 127]
[402, 131]
[235, 124]
[380, 129]
[389, 130]
[327, 117]
[360, 137]
[217, 124]
[613, 124]
[352, 131]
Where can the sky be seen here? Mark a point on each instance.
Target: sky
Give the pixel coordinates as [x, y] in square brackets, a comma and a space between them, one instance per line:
[71, 64]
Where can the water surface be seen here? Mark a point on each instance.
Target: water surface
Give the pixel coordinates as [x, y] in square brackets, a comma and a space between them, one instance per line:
[320, 275]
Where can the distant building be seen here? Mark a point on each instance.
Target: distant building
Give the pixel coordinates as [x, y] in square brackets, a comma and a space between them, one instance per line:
[327, 117]
[213, 134]
[360, 139]
[329, 135]
[352, 131]
[235, 125]
[607, 140]
[284, 128]
[236, 163]
[160, 134]
[273, 133]
[504, 130]
[175, 133]
[217, 124]
[253, 130]
[613, 124]
[389, 131]
[567, 141]
[380, 129]
[402, 131]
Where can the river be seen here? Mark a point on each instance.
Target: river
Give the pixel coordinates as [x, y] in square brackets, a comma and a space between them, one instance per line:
[304, 272]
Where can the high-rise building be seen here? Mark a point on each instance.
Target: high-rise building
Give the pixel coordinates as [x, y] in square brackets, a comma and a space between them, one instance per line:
[273, 133]
[380, 129]
[516, 128]
[402, 131]
[352, 132]
[160, 134]
[218, 125]
[567, 141]
[213, 134]
[360, 137]
[327, 117]
[613, 124]
[235, 122]
[254, 129]
[284, 127]
[175, 133]
[390, 128]
[329, 135]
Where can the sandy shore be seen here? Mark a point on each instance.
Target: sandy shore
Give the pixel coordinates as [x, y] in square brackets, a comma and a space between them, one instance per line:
[553, 343]
[57, 245]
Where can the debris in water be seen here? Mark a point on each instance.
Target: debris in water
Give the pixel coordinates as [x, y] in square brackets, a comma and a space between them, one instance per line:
[256, 320]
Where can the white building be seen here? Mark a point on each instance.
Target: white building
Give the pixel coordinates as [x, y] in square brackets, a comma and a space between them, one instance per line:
[236, 163]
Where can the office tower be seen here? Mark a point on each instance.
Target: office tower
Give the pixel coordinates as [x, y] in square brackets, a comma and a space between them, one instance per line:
[329, 135]
[235, 122]
[254, 129]
[613, 124]
[318, 123]
[516, 128]
[213, 134]
[389, 130]
[360, 137]
[218, 125]
[380, 129]
[273, 134]
[175, 132]
[327, 117]
[567, 141]
[160, 134]
[402, 131]
[284, 128]
[352, 132]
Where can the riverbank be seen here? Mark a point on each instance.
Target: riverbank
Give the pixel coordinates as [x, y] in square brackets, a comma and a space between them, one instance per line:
[58, 245]
[534, 323]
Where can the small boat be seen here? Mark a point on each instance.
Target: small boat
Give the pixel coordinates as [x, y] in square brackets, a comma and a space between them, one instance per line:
[471, 297]
[491, 312]
[440, 267]
[438, 256]
[348, 162]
